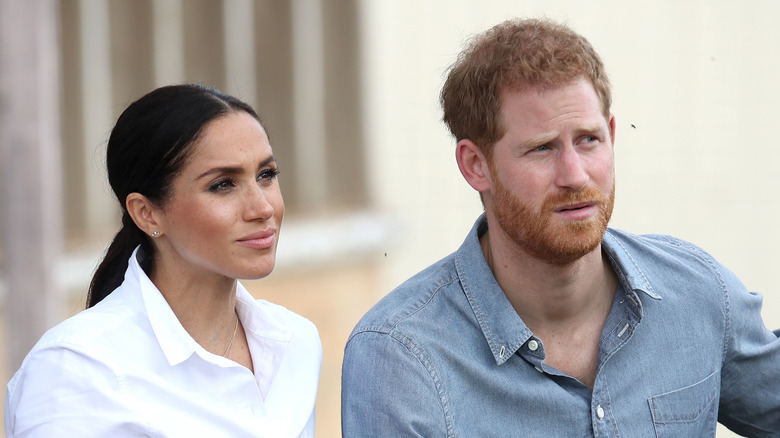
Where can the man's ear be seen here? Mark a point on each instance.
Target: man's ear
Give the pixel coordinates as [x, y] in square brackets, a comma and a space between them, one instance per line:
[612, 129]
[473, 165]
[144, 213]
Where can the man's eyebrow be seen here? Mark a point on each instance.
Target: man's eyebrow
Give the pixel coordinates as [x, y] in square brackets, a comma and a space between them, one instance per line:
[233, 170]
[592, 129]
[539, 140]
[543, 139]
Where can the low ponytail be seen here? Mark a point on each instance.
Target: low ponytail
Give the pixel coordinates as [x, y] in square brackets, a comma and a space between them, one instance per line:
[111, 271]
[147, 148]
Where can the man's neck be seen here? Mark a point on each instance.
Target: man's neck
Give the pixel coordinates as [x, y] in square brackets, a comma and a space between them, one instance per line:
[548, 296]
[566, 306]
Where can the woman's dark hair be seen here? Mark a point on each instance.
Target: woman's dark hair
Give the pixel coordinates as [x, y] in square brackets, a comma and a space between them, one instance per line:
[147, 149]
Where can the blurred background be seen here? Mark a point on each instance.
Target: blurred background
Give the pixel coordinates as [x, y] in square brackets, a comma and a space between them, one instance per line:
[348, 90]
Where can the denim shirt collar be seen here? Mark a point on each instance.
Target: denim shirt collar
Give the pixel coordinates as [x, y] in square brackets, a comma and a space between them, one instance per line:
[625, 267]
[503, 328]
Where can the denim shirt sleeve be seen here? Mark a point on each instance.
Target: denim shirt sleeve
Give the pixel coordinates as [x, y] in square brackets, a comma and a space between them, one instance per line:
[750, 385]
[389, 389]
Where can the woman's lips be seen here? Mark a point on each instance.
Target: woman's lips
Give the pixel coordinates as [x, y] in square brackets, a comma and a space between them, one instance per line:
[260, 240]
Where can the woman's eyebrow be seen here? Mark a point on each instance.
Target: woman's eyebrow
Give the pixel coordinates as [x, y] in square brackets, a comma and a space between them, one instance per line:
[233, 170]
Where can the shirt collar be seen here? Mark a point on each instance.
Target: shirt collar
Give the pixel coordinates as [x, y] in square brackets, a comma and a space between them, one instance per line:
[178, 346]
[175, 342]
[257, 319]
[504, 330]
[267, 336]
[624, 264]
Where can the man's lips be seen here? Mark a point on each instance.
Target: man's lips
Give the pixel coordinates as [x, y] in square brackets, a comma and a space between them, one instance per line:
[259, 240]
[578, 211]
[577, 206]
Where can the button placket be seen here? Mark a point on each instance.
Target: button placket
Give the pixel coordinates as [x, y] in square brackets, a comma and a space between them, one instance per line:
[533, 346]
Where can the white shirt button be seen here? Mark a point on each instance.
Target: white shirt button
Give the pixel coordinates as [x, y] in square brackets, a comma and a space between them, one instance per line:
[600, 412]
[533, 345]
[538, 368]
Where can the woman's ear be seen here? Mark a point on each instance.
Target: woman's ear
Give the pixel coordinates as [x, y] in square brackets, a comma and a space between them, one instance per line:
[473, 165]
[144, 213]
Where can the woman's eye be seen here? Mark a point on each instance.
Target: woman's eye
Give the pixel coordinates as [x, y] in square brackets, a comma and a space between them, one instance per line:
[268, 174]
[221, 185]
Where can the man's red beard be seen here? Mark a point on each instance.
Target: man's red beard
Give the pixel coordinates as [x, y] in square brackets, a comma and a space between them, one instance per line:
[541, 235]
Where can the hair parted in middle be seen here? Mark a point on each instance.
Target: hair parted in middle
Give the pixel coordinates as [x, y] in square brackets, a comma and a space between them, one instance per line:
[148, 147]
[512, 56]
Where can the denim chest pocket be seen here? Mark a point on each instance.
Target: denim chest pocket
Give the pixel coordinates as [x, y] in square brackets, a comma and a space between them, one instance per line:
[691, 411]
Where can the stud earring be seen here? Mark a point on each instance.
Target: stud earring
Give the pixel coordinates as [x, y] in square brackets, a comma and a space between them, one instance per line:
[155, 234]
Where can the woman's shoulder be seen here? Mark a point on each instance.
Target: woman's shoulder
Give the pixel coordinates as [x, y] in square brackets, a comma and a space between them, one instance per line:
[98, 329]
[71, 373]
[79, 344]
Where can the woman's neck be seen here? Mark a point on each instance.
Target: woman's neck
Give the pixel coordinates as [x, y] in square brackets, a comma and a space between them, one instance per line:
[203, 302]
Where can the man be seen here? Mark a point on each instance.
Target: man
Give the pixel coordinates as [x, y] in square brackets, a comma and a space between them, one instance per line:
[546, 323]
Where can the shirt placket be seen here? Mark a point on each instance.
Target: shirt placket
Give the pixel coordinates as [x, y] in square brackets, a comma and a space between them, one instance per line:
[623, 319]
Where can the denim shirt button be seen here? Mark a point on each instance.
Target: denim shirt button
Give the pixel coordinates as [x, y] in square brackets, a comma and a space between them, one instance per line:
[533, 345]
[538, 368]
[502, 352]
[600, 412]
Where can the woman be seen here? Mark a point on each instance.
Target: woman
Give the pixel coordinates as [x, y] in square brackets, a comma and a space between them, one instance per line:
[171, 344]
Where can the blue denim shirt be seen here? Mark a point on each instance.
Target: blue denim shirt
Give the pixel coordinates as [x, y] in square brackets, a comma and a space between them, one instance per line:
[684, 346]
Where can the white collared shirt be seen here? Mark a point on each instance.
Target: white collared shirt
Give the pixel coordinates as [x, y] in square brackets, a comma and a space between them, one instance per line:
[127, 367]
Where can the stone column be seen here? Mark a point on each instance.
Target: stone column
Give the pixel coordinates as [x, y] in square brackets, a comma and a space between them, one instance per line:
[30, 171]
